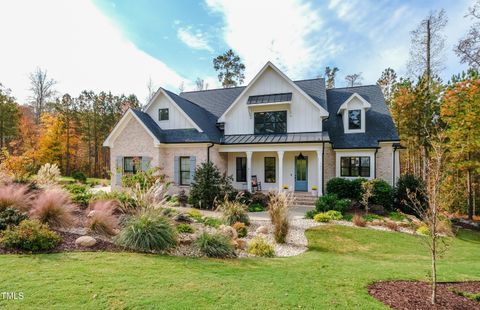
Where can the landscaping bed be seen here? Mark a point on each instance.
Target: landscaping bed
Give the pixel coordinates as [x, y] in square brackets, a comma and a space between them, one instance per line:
[416, 294]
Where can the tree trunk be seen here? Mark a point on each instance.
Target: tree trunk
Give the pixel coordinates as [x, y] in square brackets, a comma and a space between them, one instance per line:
[470, 194]
[434, 271]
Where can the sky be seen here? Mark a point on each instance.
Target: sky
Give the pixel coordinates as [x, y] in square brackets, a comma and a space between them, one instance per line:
[119, 46]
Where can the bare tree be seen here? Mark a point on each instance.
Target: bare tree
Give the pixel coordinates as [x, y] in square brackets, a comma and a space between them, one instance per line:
[200, 84]
[354, 79]
[427, 46]
[387, 83]
[151, 90]
[429, 210]
[468, 48]
[330, 74]
[181, 87]
[42, 89]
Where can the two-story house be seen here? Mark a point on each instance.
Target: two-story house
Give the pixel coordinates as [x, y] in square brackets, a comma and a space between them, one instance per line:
[283, 133]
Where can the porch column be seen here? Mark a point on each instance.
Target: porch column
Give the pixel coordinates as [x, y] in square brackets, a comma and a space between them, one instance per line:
[280, 170]
[249, 170]
[319, 172]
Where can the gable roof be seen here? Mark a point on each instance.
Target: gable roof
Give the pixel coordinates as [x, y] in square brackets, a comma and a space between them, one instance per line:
[344, 105]
[379, 123]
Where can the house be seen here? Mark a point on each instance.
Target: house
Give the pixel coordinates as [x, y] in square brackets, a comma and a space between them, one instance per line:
[283, 133]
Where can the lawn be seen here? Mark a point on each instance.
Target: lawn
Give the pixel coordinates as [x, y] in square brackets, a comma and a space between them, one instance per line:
[334, 273]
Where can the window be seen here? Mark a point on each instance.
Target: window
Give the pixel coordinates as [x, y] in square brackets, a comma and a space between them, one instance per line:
[270, 170]
[131, 164]
[241, 169]
[163, 114]
[355, 166]
[270, 122]
[354, 119]
[185, 171]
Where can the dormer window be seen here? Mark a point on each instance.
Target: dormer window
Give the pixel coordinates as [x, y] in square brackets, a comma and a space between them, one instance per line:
[354, 119]
[163, 114]
[270, 122]
[353, 112]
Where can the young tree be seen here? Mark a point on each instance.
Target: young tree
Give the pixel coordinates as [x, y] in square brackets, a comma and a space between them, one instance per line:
[200, 84]
[468, 48]
[181, 87]
[9, 117]
[387, 82]
[230, 69]
[461, 113]
[151, 90]
[42, 88]
[354, 79]
[330, 74]
[206, 186]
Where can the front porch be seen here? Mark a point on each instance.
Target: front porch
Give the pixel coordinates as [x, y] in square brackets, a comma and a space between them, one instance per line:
[297, 168]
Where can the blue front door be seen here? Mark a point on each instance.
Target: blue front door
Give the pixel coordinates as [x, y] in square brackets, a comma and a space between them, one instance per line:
[301, 174]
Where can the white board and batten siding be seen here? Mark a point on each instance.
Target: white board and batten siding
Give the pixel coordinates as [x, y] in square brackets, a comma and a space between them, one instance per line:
[176, 119]
[303, 116]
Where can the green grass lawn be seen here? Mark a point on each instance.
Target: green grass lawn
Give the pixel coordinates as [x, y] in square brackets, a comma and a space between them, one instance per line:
[334, 273]
[90, 181]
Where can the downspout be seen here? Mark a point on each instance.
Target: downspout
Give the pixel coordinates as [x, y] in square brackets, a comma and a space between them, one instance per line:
[375, 160]
[323, 168]
[208, 151]
[394, 167]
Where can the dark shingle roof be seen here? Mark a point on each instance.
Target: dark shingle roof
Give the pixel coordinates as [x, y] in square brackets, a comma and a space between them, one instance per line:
[379, 123]
[276, 138]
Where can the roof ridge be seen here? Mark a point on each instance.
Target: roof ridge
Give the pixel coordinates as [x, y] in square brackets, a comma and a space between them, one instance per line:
[190, 102]
[318, 78]
[357, 86]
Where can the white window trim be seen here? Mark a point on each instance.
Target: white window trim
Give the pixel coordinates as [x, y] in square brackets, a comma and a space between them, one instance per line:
[344, 108]
[346, 121]
[355, 153]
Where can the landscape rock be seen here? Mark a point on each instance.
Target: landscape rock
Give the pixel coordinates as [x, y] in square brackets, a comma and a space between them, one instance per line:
[262, 230]
[186, 238]
[183, 218]
[241, 244]
[85, 241]
[228, 231]
[91, 213]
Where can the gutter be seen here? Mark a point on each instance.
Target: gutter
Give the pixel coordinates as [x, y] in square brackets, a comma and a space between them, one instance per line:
[208, 151]
[396, 146]
[375, 161]
[323, 168]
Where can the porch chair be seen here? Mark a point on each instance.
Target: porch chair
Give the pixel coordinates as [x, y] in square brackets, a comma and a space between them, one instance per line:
[256, 184]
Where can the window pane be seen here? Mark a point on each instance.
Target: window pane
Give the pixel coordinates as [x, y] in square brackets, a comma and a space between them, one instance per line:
[185, 178]
[185, 164]
[241, 169]
[345, 172]
[270, 122]
[163, 114]
[354, 119]
[270, 170]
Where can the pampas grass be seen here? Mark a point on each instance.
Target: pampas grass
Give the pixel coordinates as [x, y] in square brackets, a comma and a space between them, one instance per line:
[15, 196]
[278, 209]
[102, 220]
[54, 208]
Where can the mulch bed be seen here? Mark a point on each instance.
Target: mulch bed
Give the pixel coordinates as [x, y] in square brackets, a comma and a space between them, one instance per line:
[416, 295]
[68, 245]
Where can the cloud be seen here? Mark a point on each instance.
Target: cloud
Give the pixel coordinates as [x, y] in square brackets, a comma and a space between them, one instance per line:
[196, 41]
[290, 33]
[79, 47]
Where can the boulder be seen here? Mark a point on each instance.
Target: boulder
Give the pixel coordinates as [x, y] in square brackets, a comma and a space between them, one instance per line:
[262, 230]
[228, 231]
[183, 218]
[91, 213]
[85, 241]
[186, 238]
[241, 244]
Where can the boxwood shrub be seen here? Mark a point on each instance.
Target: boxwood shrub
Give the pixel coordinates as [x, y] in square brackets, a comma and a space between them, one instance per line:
[30, 235]
[345, 188]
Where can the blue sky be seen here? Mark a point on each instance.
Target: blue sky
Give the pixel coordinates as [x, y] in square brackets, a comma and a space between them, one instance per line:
[119, 45]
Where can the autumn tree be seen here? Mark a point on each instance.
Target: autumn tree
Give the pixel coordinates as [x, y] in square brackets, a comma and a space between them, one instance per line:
[42, 91]
[51, 143]
[354, 79]
[9, 116]
[330, 74]
[461, 113]
[230, 69]
[387, 82]
[468, 48]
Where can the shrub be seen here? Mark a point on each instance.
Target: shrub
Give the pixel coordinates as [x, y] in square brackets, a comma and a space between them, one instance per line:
[310, 214]
[216, 245]
[143, 179]
[423, 230]
[397, 216]
[194, 213]
[348, 217]
[331, 202]
[185, 228]
[260, 247]
[260, 199]
[147, 231]
[79, 176]
[359, 221]
[367, 193]
[125, 202]
[79, 194]
[48, 175]
[11, 217]
[54, 208]
[408, 183]
[19, 168]
[211, 221]
[335, 215]
[102, 221]
[234, 211]
[182, 198]
[278, 209]
[30, 235]
[322, 217]
[345, 188]
[206, 186]
[241, 229]
[382, 194]
[169, 212]
[15, 196]
[256, 207]
[372, 217]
